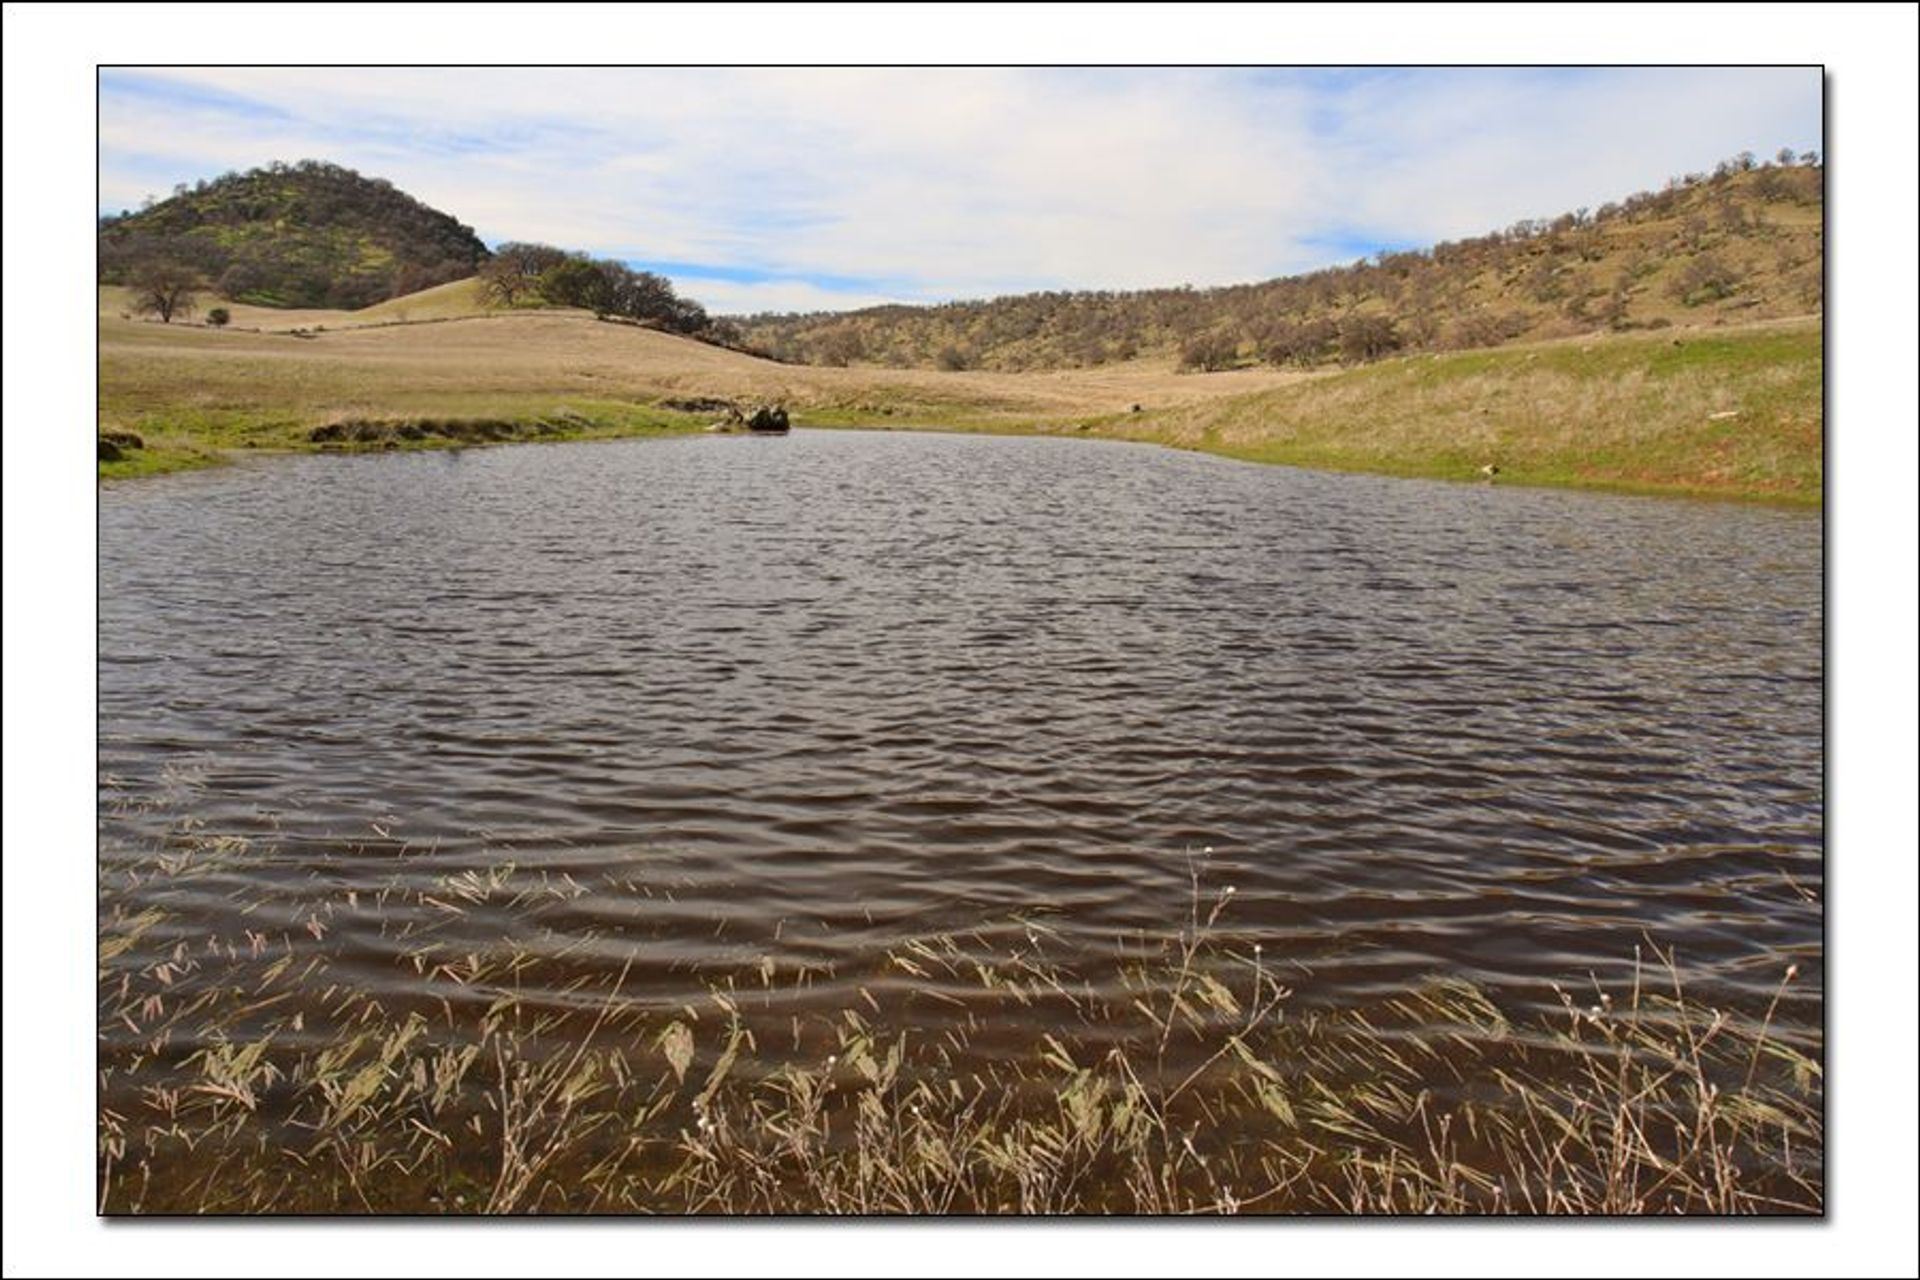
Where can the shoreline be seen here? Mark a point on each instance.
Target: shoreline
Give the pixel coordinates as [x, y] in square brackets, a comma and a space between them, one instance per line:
[198, 458]
[1731, 413]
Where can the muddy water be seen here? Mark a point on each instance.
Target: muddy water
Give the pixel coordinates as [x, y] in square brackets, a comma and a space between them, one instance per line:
[781, 705]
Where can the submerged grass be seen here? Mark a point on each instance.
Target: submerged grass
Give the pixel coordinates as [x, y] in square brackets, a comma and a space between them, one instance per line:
[260, 1064]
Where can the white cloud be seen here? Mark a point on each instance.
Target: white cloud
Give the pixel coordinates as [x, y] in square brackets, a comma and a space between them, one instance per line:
[729, 297]
[880, 184]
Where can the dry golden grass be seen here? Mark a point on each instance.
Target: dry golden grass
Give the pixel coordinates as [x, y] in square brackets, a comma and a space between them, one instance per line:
[254, 1067]
[458, 299]
[1761, 230]
[1734, 412]
[1723, 411]
[190, 392]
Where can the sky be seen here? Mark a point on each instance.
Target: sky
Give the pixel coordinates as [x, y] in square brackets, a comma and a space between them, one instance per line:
[827, 189]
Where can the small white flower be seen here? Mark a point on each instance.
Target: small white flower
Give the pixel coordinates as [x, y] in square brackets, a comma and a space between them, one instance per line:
[1230, 891]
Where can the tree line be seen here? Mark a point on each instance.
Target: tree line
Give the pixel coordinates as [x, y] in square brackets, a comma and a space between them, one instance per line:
[319, 235]
[520, 273]
[1745, 237]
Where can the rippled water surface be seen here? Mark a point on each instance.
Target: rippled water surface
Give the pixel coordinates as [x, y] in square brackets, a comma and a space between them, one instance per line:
[797, 700]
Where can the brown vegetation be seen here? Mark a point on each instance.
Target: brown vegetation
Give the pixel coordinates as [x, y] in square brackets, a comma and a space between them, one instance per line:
[245, 1068]
[1744, 242]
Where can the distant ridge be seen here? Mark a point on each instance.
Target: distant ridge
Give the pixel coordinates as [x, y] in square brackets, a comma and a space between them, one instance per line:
[1740, 244]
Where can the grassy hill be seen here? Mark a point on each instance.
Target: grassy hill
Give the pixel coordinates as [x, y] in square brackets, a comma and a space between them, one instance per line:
[456, 300]
[1738, 245]
[1733, 411]
[238, 388]
[309, 235]
[1669, 343]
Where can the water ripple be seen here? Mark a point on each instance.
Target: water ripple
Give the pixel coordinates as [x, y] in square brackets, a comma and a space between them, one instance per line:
[835, 692]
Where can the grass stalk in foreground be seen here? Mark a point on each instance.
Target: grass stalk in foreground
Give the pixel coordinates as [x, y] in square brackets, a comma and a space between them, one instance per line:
[244, 1069]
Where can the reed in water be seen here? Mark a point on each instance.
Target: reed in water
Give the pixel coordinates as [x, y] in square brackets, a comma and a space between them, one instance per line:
[244, 1068]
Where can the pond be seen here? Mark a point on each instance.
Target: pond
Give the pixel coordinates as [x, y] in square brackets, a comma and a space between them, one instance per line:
[738, 706]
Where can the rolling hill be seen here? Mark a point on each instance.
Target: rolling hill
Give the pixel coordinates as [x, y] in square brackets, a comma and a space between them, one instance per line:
[1670, 343]
[311, 235]
[1741, 244]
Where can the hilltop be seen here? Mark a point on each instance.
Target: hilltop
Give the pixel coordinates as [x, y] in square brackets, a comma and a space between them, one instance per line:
[303, 235]
[316, 239]
[1743, 243]
[1698, 370]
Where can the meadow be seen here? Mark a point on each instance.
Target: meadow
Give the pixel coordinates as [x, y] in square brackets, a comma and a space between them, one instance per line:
[1733, 411]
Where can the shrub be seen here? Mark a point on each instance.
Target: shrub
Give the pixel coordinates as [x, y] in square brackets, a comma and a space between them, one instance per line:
[1487, 329]
[1207, 352]
[1368, 337]
[1707, 278]
[1308, 342]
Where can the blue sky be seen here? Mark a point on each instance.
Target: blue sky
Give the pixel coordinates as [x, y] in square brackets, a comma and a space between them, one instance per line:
[826, 189]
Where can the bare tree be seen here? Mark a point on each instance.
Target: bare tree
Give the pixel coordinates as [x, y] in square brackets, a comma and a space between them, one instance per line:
[1707, 278]
[1207, 352]
[841, 347]
[164, 289]
[515, 270]
[1368, 337]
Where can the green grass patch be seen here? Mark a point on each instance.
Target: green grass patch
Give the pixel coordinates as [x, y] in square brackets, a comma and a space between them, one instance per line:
[1735, 414]
[185, 439]
[157, 460]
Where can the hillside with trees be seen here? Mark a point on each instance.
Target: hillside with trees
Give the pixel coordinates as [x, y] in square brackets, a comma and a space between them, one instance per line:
[319, 236]
[1744, 242]
[303, 235]
[530, 275]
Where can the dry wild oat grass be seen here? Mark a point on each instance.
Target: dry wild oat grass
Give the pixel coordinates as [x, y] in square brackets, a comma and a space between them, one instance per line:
[242, 1070]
